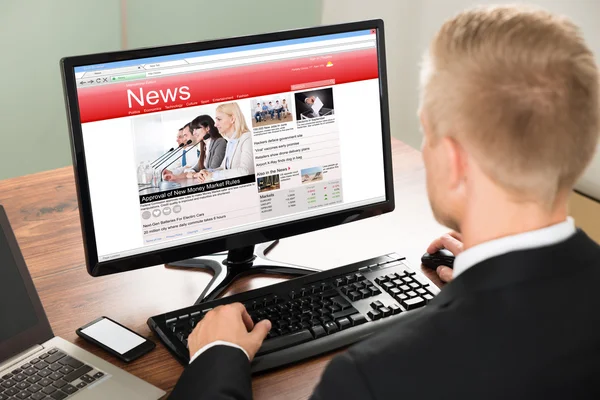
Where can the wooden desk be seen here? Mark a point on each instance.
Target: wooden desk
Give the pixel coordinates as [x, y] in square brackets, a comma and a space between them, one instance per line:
[42, 209]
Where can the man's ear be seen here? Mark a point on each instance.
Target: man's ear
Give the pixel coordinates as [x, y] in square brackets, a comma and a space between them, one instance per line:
[457, 161]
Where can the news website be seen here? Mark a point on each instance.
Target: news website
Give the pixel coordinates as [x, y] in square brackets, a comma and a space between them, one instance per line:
[192, 146]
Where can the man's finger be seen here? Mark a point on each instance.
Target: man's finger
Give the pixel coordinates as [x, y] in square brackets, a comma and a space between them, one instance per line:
[445, 273]
[435, 246]
[450, 243]
[260, 331]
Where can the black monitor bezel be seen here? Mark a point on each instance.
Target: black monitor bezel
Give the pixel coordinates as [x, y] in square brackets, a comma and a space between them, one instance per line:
[41, 331]
[238, 240]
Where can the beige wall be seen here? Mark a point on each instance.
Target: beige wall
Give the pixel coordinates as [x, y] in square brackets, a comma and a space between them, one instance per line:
[586, 213]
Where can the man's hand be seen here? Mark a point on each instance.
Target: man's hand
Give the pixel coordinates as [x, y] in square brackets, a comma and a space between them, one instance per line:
[310, 100]
[230, 323]
[168, 176]
[451, 241]
[204, 176]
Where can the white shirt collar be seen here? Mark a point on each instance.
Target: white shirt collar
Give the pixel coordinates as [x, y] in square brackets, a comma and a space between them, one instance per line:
[547, 236]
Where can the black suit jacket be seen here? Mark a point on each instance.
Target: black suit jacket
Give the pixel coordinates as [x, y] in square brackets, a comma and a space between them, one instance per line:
[524, 325]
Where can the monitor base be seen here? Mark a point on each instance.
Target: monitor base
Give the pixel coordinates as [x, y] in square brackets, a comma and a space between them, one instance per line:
[227, 267]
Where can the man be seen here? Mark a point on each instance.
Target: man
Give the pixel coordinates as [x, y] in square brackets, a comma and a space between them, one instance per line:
[190, 154]
[257, 113]
[510, 114]
[271, 110]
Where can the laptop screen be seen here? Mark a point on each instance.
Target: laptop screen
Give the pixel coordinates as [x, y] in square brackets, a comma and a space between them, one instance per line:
[18, 314]
[23, 323]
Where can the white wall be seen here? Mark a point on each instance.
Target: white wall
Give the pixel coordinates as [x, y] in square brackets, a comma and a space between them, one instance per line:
[410, 25]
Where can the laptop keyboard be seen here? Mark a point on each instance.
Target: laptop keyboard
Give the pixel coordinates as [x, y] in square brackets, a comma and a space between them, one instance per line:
[53, 375]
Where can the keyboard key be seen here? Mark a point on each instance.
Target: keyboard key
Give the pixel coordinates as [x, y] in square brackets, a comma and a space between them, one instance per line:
[395, 291]
[365, 293]
[421, 281]
[3, 397]
[411, 294]
[354, 296]
[25, 366]
[344, 313]
[58, 395]
[395, 309]
[30, 371]
[44, 356]
[23, 395]
[411, 304]
[59, 383]
[68, 360]
[374, 291]
[70, 377]
[428, 298]
[34, 388]
[380, 280]
[66, 369]
[283, 342]
[11, 392]
[7, 376]
[19, 377]
[41, 365]
[357, 319]
[405, 288]
[358, 276]
[414, 285]
[397, 282]
[349, 278]
[386, 312]
[376, 304]
[34, 379]
[374, 315]
[98, 375]
[34, 361]
[341, 302]
[23, 385]
[318, 331]
[330, 327]
[49, 389]
[339, 282]
[52, 351]
[344, 323]
[38, 396]
[56, 376]
[55, 367]
[8, 383]
[45, 382]
[16, 371]
[55, 357]
[81, 385]
[45, 372]
[69, 389]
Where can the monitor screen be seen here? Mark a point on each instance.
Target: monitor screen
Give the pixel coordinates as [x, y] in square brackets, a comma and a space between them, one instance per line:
[182, 148]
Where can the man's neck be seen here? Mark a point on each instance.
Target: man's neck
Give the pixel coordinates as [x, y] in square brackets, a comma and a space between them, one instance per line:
[493, 219]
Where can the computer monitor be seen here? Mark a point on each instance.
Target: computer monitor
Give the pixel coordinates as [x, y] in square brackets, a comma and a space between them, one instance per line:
[300, 142]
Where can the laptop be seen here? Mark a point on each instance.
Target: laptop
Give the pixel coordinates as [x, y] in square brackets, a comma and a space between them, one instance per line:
[35, 364]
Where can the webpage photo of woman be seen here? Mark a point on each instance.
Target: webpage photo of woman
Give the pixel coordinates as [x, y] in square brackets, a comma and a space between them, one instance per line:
[239, 157]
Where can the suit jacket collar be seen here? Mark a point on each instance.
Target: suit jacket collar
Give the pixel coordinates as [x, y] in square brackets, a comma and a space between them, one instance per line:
[520, 266]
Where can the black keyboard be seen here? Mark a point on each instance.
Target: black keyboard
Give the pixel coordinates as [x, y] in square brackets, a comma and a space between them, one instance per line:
[52, 375]
[313, 314]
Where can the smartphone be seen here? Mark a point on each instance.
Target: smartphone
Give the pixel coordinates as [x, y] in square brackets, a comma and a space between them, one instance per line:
[116, 339]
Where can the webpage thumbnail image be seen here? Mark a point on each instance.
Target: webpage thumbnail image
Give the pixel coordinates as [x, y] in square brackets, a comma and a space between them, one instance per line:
[314, 103]
[273, 109]
[193, 164]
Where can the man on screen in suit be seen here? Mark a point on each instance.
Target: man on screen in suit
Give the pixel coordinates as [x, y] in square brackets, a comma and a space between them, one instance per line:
[510, 115]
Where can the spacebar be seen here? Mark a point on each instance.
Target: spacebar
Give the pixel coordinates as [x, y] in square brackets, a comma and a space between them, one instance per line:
[283, 342]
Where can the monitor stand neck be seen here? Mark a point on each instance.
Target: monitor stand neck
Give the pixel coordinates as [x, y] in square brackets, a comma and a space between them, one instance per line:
[226, 267]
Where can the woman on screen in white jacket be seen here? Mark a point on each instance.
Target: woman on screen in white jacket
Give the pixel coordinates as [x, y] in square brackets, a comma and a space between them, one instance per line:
[239, 157]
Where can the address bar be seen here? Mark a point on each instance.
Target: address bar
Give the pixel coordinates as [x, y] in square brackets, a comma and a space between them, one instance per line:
[259, 59]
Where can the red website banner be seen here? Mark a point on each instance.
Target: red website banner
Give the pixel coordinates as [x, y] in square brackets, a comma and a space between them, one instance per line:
[204, 87]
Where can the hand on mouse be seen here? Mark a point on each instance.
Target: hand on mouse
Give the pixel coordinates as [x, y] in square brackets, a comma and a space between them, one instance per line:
[451, 241]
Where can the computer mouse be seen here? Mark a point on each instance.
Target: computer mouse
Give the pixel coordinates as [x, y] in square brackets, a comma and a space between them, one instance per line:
[441, 257]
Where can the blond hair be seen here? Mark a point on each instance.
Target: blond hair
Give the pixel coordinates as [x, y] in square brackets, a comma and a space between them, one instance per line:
[518, 88]
[239, 123]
